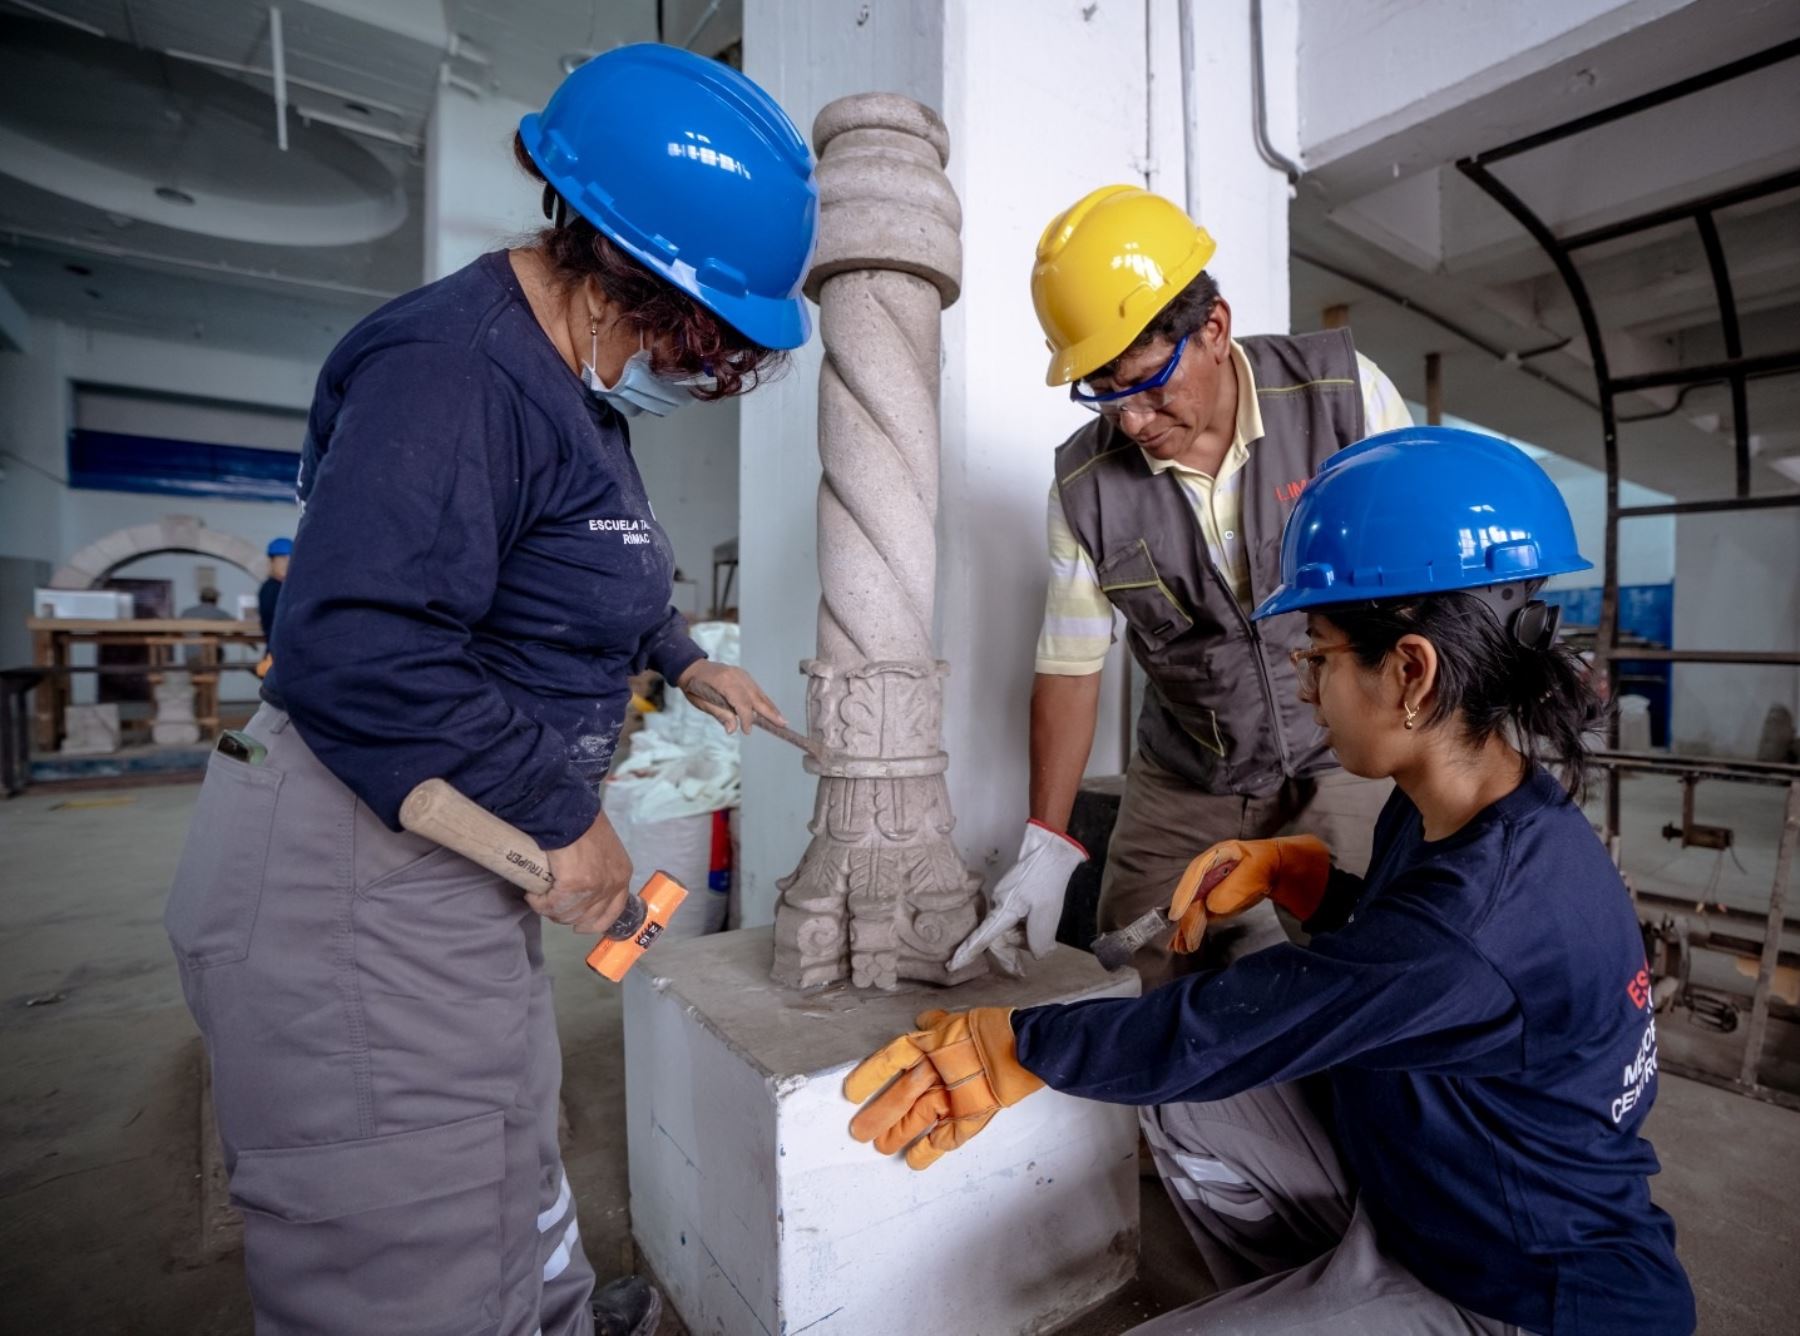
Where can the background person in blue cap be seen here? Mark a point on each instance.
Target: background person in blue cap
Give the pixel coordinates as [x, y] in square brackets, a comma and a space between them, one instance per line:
[281, 551]
[482, 574]
[268, 596]
[1427, 1120]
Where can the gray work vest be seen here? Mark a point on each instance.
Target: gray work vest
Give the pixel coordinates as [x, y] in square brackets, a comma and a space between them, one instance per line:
[1223, 708]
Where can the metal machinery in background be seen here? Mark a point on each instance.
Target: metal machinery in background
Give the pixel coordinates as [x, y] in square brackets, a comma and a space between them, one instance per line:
[1672, 936]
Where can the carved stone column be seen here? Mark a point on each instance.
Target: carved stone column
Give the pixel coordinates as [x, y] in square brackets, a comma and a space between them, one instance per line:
[881, 894]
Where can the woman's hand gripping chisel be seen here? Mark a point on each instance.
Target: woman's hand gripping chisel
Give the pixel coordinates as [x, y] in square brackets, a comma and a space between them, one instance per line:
[811, 746]
[1115, 949]
[442, 815]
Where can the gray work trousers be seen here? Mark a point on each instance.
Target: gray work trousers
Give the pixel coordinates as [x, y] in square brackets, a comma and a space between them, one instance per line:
[1257, 1181]
[1165, 822]
[384, 1059]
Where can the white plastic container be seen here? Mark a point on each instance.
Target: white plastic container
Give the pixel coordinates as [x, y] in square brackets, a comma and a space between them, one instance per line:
[93, 605]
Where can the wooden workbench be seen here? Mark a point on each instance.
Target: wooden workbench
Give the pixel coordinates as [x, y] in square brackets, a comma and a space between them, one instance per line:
[52, 638]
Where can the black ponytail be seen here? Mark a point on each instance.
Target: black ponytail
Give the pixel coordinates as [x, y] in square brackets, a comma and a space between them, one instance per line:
[1489, 679]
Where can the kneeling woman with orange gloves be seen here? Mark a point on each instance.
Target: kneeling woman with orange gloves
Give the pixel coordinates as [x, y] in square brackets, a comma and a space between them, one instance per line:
[1428, 1119]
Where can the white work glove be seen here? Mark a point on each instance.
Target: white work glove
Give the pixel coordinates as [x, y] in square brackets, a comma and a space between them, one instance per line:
[1031, 893]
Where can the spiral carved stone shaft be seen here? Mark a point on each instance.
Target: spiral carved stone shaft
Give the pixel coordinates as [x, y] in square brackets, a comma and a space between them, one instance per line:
[878, 442]
[880, 894]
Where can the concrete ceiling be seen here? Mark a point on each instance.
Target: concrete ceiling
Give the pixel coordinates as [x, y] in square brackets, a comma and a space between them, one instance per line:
[1395, 211]
[138, 141]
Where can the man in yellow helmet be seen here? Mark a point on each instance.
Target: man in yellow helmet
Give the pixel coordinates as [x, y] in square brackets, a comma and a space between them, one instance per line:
[1168, 507]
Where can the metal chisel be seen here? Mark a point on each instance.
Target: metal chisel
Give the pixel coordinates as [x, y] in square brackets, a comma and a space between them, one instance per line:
[1115, 949]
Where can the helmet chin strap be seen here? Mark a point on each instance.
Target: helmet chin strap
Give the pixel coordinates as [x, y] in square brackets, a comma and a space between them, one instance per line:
[1529, 620]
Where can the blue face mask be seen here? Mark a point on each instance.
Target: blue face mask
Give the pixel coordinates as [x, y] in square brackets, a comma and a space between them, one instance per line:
[639, 389]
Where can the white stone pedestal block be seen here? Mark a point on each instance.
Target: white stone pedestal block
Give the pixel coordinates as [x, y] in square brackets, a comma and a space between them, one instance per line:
[758, 1212]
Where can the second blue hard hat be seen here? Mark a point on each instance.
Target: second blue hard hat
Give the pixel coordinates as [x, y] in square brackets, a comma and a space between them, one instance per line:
[1422, 510]
[693, 171]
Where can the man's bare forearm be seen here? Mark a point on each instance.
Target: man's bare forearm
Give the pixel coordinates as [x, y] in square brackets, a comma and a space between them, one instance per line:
[1063, 713]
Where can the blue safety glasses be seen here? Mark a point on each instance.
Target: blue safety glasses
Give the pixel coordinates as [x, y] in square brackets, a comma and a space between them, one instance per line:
[1146, 395]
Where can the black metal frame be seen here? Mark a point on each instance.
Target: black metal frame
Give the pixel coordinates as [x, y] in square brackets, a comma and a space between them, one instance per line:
[1736, 371]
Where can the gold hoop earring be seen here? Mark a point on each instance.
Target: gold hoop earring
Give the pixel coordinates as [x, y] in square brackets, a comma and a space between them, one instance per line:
[1411, 714]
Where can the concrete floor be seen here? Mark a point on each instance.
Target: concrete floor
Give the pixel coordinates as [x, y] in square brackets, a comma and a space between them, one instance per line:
[99, 1143]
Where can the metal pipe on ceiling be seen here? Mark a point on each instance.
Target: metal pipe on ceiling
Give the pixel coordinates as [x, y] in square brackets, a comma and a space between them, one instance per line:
[312, 85]
[1258, 97]
[45, 12]
[207, 266]
[1504, 356]
[1190, 193]
[705, 18]
[308, 115]
[278, 63]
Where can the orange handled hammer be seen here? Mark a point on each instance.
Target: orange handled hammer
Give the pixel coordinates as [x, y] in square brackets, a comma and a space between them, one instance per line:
[442, 815]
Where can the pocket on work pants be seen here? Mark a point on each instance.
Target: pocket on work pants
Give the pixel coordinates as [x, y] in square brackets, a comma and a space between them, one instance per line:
[218, 887]
[398, 1235]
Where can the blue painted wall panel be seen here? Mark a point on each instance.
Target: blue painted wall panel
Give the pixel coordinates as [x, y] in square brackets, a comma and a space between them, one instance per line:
[117, 462]
[1644, 610]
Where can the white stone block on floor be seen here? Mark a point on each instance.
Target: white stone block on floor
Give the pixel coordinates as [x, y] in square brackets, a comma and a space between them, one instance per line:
[90, 730]
[759, 1213]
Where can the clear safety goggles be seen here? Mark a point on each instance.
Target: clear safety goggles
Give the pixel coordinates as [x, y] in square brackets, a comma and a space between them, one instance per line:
[1308, 664]
[1147, 396]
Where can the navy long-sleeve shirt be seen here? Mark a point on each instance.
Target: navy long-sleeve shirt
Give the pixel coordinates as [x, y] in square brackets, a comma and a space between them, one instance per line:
[482, 570]
[1481, 1007]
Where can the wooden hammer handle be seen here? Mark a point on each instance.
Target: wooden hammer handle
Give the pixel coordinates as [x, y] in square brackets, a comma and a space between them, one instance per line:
[444, 816]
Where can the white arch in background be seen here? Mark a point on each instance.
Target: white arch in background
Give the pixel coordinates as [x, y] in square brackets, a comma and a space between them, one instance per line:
[172, 533]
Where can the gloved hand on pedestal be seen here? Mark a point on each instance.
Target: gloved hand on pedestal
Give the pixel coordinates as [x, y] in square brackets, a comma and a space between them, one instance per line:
[1030, 894]
[949, 1078]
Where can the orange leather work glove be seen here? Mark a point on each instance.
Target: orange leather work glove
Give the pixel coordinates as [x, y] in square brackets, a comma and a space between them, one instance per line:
[1292, 871]
[948, 1079]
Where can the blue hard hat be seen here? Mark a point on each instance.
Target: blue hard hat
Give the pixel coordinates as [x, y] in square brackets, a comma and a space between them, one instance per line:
[1422, 510]
[281, 547]
[696, 173]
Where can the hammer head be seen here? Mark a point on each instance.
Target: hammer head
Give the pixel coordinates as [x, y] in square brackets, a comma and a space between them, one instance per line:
[662, 896]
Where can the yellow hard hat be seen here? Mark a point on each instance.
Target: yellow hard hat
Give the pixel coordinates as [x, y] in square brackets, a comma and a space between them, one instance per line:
[1105, 267]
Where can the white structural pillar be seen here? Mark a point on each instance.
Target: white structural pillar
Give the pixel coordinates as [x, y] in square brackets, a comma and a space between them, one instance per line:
[476, 197]
[880, 894]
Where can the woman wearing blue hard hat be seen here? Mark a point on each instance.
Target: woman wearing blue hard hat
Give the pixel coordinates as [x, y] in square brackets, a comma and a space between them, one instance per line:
[1427, 1119]
[482, 573]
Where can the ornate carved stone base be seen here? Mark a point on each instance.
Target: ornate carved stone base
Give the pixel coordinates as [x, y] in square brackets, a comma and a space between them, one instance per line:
[881, 894]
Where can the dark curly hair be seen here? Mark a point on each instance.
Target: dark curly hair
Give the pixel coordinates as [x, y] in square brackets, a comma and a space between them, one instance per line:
[1488, 683]
[1186, 312]
[702, 344]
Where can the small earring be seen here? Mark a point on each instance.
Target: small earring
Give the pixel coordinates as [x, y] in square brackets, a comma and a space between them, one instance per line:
[1411, 714]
